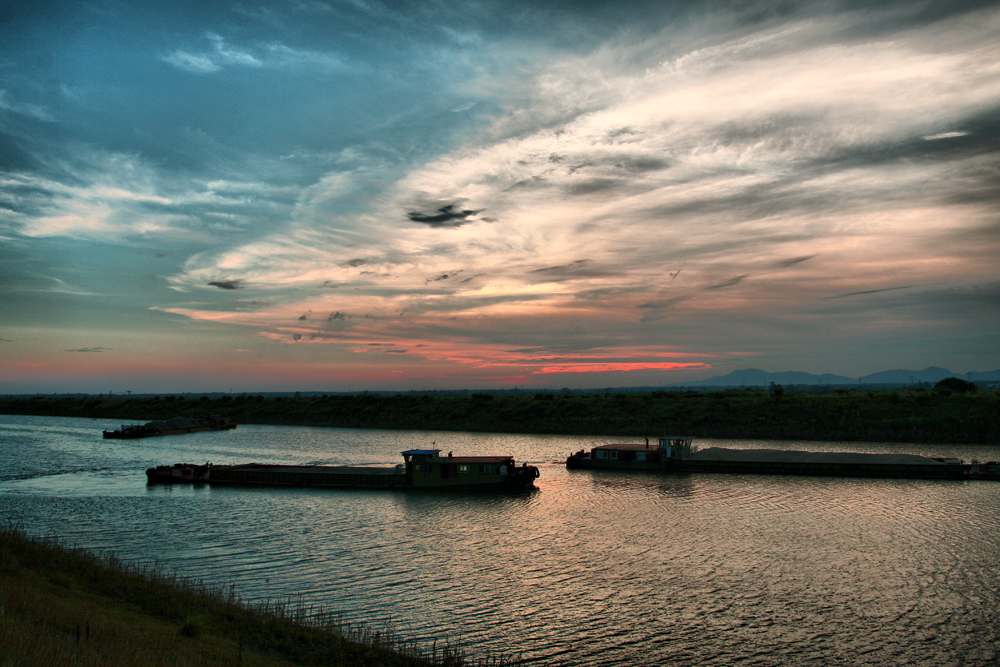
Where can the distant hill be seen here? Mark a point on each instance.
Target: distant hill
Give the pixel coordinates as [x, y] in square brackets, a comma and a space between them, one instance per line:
[758, 378]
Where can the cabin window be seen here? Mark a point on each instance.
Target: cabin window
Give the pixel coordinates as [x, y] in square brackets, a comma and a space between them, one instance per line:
[614, 455]
[485, 468]
[601, 454]
[425, 467]
[640, 456]
[463, 468]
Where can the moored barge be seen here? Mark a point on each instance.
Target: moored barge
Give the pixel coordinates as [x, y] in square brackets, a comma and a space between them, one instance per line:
[422, 469]
[678, 454]
[174, 426]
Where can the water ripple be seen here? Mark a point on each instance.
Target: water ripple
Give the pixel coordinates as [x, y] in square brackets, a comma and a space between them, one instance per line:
[591, 569]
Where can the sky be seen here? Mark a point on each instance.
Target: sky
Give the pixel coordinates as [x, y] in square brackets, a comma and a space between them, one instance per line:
[346, 195]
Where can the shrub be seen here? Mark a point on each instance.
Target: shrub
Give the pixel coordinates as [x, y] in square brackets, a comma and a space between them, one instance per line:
[954, 385]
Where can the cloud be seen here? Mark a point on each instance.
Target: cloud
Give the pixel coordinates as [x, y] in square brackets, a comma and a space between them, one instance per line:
[795, 260]
[229, 284]
[876, 291]
[945, 135]
[273, 55]
[35, 111]
[679, 165]
[728, 283]
[91, 349]
[190, 62]
[445, 216]
[576, 269]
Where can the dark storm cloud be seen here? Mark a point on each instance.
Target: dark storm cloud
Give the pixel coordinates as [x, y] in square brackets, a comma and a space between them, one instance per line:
[228, 284]
[445, 216]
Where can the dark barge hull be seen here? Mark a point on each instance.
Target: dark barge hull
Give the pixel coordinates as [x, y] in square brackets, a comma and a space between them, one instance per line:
[626, 457]
[267, 476]
[885, 471]
[176, 426]
[327, 477]
[130, 435]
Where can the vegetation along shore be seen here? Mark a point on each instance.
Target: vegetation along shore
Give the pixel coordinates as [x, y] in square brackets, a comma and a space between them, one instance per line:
[947, 413]
[64, 606]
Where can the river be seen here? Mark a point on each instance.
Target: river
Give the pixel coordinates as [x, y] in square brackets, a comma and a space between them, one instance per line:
[591, 568]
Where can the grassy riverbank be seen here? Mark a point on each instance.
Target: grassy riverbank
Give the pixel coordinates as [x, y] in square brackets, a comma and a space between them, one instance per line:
[61, 606]
[849, 415]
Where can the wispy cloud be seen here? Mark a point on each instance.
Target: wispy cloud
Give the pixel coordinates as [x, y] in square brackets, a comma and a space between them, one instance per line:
[640, 165]
[884, 289]
[35, 111]
[223, 54]
[599, 199]
[91, 349]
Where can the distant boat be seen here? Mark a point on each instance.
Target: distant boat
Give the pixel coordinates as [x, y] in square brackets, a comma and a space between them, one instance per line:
[423, 469]
[174, 426]
[677, 454]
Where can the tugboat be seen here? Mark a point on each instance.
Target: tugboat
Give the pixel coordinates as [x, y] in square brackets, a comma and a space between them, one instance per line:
[422, 469]
[173, 426]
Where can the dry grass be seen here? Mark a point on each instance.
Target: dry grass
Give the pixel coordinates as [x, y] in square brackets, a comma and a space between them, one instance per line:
[62, 606]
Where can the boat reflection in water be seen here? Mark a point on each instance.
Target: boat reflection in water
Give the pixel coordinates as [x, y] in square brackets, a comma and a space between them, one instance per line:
[423, 469]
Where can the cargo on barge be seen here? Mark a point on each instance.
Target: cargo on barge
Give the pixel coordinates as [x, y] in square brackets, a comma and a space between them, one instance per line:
[678, 454]
[422, 469]
[174, 426]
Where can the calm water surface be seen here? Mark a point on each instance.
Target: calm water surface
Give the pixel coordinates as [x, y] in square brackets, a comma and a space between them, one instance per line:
[590, 569]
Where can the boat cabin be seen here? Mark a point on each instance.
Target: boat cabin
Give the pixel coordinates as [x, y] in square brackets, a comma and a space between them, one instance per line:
[676, 447]
[671, 448]
[427, 468]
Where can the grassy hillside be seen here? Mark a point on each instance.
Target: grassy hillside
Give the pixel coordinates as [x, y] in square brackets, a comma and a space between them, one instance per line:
[61, 606]
[875, 416]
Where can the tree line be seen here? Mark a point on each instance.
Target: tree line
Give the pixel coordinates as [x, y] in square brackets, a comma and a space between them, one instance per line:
[945, 414]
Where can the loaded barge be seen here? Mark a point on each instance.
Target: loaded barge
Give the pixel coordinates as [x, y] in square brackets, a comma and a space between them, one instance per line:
[423, 469]
[174, 426]
[677, 454]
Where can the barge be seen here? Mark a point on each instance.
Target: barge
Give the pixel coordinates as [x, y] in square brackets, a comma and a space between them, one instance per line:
[678, 454]
[422, 469]
[174, 426]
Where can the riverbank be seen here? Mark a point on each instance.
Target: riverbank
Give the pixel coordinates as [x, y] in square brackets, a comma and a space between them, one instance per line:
[61, 606]
[917, 416]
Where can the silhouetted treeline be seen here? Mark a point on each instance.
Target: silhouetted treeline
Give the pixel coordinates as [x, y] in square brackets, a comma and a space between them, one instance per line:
[881, 416]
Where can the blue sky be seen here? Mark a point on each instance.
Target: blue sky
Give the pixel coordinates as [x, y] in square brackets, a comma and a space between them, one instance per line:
[385, 195]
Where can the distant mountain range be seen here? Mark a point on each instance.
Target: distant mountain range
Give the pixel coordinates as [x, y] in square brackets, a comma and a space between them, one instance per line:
[757, 378]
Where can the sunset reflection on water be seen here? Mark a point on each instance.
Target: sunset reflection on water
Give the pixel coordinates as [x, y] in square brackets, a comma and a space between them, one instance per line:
[592, 568]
